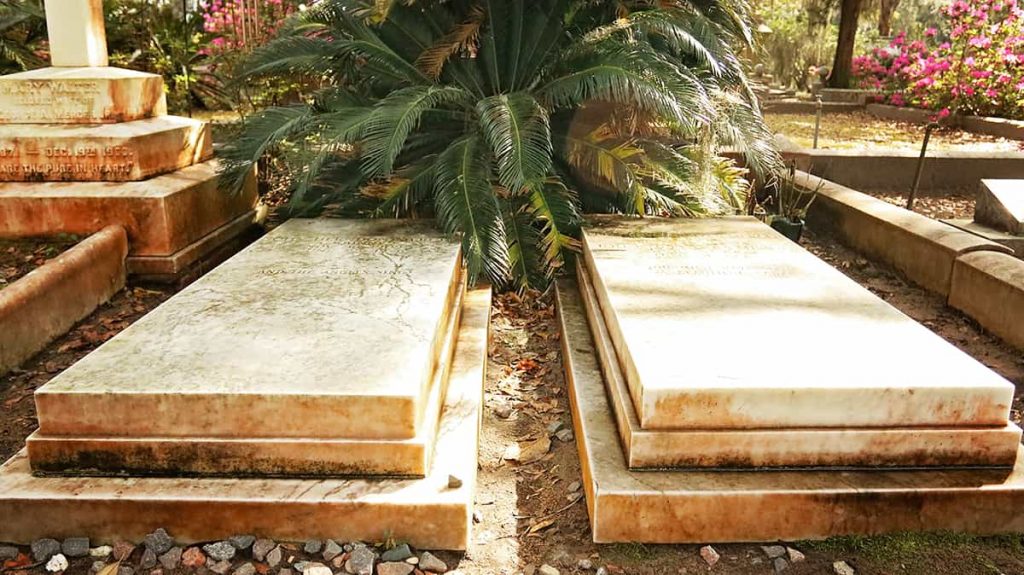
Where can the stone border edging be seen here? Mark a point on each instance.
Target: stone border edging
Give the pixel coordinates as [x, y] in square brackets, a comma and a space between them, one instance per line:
[991, 126]
[49, 300]
[923, 249]
[989, 287]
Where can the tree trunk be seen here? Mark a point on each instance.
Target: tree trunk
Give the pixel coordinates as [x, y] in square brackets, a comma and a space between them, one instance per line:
[843, 64]
[885, 13]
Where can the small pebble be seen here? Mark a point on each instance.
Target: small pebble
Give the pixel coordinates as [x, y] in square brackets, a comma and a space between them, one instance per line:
[331, 550]
[547, 570]
[275, 557]
[454, 482]
[44, 549]
[601, 571]
[400, 553]
[220, 567]
[261, 547]
[75, 547]
[171, 559]
[575, 486]
[780, 564]
[503, 411]
[361, 561]
[413, 560]
[242, 542]
[709, 555]
[553, 427]
[245, 569]
[773, 551]
[8, 552]
[159, 542]
[313, 546]
[57, 564]
[843, 568]
[220, 551]
[428, 562]
[101, 551]
[317, 569]
[193, 558]
[393, 568]
[565, 435]
[123, 550]
[98, 566]
[584, 564]
[148, 560]
[794, 555]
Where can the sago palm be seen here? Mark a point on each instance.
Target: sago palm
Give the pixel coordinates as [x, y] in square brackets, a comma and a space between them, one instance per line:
[505, 118]
[22, 26]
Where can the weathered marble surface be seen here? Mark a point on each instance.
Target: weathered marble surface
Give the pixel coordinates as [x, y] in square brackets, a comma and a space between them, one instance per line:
[323, 328]
[80, 96]
[1000, 204]
[257, 457]
[163, 215]
[724, 324]
[797, 447]
[715, 506]
[110, 152]
[76, 32]
[426, 513]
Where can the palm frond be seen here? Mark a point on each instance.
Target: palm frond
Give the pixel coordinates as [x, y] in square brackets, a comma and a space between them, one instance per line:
[517, 128]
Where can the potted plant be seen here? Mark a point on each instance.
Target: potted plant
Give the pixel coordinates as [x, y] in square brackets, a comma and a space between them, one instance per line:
[788, 204]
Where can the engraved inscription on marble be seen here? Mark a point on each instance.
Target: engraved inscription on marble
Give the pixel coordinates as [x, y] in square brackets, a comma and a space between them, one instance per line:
[65, 162]
[57, 99]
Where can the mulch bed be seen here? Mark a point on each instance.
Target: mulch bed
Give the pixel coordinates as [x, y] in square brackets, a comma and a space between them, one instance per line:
[19, 257]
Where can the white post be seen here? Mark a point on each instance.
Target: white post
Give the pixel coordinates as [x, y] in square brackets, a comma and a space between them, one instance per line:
[78, 37]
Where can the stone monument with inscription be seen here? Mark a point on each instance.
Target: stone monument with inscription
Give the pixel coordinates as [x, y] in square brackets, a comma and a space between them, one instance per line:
[998, 214]
[84, 145]
[727, 385]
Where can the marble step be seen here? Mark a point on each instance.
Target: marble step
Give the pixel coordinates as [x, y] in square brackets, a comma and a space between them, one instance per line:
[1000, 204]
[86, 95]
[712, 506]
[897, 447]
[725, 324]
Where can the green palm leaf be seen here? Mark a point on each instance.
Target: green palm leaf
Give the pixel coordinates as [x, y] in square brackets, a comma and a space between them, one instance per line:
[517, 129]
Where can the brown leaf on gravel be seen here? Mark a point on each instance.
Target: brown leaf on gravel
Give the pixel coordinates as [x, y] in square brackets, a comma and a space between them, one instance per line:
[526, 452]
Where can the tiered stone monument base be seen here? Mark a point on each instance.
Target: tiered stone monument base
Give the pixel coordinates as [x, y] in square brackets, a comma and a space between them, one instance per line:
[702, 506]
[173, 220]
[89, 95]
[998, 214]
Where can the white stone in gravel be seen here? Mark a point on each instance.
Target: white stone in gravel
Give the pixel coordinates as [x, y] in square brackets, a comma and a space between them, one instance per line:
[57, 564]
[565, 435]
[843, 568]
[584, 564]
[361, 561]
[274, 557]
[101, 551]
[709, 555]
[317, 569]
[773, 551]
[220, 551]
[261, 547]
[75, 547]
[794, 555]
[428, 562]
[547, 570]
[395, 568]
[553, 427]
[331, 550]
[575, 486]
[413, 560]
[780, 564]
[245, 569]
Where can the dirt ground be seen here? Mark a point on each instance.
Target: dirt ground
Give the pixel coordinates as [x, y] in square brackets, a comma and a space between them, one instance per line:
[529, 505]
[861, 130]
[18, 257]
[953, 205]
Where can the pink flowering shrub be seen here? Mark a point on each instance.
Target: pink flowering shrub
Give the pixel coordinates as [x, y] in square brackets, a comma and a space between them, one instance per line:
[975, 65]
[241, 25]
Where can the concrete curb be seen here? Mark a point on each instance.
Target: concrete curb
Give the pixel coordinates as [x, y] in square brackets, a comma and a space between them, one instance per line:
[998, 127]
[989, 287]
[921, 248]
[47, 301]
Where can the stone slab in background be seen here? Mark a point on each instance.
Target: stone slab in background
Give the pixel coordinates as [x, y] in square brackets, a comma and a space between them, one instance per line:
[818, 447]
[693, 506]
[76, 32]
[725, 324]
[427, 513]
[110, 152]
[162, 216]
[321, 329]
[989, 287]
[1000, 204]
[1014, 242]
[45, 303]
[80, 96]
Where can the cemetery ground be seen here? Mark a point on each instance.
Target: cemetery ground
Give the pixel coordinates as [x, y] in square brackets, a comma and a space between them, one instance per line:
[530, 510]
[860, 130]
[19, 257]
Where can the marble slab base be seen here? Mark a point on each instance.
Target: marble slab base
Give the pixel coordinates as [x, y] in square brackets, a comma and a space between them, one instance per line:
[428, 513]
[1000, 204]
[260, 457]
[162, 216]
[85, 95]
[693, 506]
[102, 153]
[1014, 242]
[725, 324]
[822, 447]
